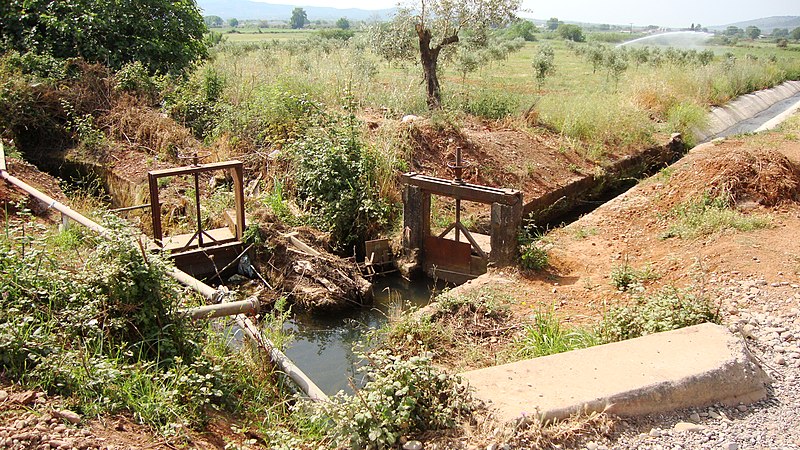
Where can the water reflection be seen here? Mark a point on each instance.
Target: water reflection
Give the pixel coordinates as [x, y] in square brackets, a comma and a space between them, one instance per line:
[323, 344]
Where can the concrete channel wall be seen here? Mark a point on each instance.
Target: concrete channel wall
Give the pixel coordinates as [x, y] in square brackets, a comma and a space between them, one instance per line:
[555, 204]
[745, 107]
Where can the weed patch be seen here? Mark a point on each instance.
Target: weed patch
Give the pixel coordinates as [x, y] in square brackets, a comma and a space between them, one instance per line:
[668, 309]
[710, 215]
[544, 336]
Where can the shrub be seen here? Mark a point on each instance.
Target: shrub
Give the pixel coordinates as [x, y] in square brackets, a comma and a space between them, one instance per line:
[400, 398]
[668, 309]
[533, 256]
[336, 182]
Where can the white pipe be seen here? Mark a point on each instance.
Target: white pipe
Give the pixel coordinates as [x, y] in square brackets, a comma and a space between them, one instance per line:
[249, 306]
[217, 295]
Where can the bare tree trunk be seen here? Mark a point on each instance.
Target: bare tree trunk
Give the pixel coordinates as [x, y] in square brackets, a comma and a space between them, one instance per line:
[429, 58]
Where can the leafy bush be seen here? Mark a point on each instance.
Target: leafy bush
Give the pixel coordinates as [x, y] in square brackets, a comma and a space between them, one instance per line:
[108, 335]
[625, 276]
[533, 256]
[668, 309]
[400, 398]
[336, 182]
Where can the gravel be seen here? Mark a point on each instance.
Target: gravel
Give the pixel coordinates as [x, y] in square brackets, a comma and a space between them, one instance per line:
[766, 314]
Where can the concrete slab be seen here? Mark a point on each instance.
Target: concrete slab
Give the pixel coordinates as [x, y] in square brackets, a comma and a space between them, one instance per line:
[694, 366]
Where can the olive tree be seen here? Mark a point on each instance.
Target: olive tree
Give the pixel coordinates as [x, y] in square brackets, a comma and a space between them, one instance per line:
[438, 25]
[164, 35]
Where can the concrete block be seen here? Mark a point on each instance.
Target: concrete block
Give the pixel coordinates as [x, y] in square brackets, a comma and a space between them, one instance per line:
[691, 367]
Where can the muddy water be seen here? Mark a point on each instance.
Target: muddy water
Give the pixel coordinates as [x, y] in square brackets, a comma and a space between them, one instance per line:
[323, 345]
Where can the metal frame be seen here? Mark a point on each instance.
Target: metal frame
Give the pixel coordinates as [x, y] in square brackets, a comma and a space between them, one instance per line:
[237, 171]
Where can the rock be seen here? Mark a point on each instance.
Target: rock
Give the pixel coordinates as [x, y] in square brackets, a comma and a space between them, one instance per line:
[655, 432]
[688, 427]
[742, 408]
[694, 417]
[713, 414]
[591, 446]
[3, 396]
[730, 446]
[68, 415]
[22, 398]
[748, 331]
[780, 360]
[412, 445]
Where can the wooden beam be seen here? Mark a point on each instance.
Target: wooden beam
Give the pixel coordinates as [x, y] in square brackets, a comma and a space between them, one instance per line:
[469, 192]
[188, 170]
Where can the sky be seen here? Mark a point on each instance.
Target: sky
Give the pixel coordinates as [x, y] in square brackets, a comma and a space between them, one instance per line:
[672, 13]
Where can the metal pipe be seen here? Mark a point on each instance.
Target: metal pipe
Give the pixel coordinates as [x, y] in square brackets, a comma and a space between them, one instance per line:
[218, 295]
[287, 366]
[249, 306]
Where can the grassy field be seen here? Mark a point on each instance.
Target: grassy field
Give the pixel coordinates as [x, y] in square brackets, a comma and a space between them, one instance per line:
[590, 106]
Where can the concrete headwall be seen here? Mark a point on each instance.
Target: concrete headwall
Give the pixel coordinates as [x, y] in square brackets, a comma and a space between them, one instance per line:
[745, 107]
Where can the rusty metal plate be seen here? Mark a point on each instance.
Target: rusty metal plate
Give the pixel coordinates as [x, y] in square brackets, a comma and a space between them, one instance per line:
[446, 253]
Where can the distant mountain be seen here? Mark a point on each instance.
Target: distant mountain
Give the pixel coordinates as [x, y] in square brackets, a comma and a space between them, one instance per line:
[766, 25]
[246, 9]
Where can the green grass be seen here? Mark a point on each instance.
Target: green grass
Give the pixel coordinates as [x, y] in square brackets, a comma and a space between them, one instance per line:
[707, 216]
[545, 335]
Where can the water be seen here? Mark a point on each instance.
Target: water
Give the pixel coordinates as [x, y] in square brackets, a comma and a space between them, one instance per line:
[677, 39]
[323, 344]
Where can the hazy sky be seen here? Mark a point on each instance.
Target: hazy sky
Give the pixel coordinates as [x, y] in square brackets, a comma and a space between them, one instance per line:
[672, 13]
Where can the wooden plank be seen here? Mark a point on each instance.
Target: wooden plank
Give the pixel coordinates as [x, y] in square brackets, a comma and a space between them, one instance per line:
[188, 170]
[469, 192]
[300, 245]
[178, 242]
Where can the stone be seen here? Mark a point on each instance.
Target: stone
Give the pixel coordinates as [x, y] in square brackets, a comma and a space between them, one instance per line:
[412, 445]
[3, 396]
[694, 417]
[730, 446]
[714, 415]
[742, 408]
[688, 427]
[591, 446]
[68, 415]
[780, 360]
[655, 432]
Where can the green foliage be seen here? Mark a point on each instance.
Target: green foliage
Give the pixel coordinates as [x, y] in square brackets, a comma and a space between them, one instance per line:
[343, 23]
[553, 23]
[194, 102]
[545, 336]
[299, 18]
[106, 333]
[165, 36]
[753, 32]
[336, 33]
[133, 77]
[522, 28]
[543, 64]
[490, 104]
[668, 309]
[795, 34]
[533, 254]
[709, 215]
[625, 276]
[213, 21]
[336, 183]
[687, 119]
[402, 397]
[571, 32]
